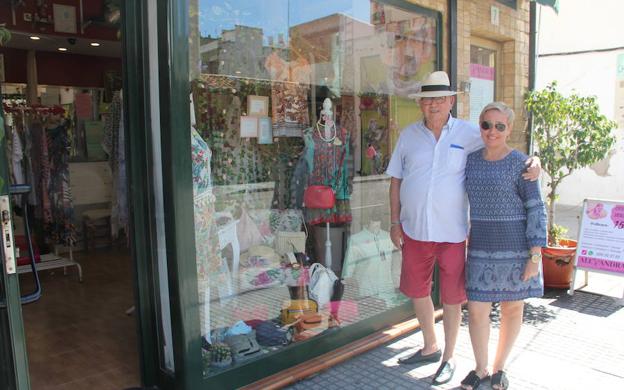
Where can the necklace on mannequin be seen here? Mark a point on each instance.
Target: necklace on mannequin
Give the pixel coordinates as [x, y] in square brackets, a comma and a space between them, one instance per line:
[325, 126]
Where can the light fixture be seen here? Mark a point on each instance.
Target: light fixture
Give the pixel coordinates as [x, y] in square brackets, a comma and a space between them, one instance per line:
[35, 38]
[94, 44]
[62, 49]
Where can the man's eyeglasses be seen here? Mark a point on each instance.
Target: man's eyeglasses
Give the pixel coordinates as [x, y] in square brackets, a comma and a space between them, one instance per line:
[429, 100]
[487, 125]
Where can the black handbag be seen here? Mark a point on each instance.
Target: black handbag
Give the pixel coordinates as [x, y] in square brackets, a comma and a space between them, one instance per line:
[270, 334]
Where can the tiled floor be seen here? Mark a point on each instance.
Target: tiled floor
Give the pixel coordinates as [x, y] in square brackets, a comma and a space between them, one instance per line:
[78, 335]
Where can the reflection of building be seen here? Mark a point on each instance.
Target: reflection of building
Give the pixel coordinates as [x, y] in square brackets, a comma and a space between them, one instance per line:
[238, 52]
[352, 56]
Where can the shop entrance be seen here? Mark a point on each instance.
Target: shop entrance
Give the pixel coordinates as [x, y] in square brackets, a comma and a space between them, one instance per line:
[64, 143]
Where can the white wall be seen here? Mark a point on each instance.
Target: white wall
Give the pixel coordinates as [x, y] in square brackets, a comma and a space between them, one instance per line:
[581, 25]
[586, 25]
[90, 182]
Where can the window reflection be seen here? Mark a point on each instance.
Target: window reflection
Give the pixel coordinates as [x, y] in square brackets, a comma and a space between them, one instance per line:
[297, 105]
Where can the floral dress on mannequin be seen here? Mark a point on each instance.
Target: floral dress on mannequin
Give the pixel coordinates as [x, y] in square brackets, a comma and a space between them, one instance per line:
[208, 261]
[327, 157]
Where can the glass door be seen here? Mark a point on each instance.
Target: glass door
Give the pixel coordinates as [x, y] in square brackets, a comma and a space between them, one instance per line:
[13, 359]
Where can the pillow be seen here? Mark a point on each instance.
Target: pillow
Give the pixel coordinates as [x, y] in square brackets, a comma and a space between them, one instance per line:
[247, 232]
[287, 220]
[261, 217]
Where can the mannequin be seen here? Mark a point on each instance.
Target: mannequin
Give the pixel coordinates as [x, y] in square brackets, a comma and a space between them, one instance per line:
[369, 261]
[327, 154]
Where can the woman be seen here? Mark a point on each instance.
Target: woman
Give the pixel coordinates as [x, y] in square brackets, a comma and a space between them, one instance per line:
[508, 229]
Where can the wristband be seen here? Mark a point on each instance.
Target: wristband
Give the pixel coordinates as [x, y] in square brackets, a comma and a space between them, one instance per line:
[395, 222]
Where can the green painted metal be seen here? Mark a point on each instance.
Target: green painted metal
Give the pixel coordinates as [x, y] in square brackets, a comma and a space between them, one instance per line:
[139, 168]
[12, 323]
[173, 16]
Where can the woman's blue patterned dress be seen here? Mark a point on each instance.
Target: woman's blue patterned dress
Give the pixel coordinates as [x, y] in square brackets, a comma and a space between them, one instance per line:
[507, 218]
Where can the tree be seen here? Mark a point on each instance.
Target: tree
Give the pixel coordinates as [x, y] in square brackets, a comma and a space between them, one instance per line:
[570, 133]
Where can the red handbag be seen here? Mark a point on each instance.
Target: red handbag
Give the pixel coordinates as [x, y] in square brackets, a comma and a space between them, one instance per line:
[319, 197]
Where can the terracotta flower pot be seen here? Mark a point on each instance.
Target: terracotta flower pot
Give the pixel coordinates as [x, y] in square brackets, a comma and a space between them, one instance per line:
[558, 264]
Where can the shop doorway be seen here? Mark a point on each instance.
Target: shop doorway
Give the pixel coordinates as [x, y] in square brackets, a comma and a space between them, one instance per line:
[484, 75]
[61, 105]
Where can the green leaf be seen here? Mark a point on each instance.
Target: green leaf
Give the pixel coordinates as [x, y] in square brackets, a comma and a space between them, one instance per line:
[569, 133]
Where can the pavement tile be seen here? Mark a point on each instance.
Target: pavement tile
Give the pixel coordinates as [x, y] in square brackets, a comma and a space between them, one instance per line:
[567, 342]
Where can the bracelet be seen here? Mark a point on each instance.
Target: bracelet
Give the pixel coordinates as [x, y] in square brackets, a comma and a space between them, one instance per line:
[395, 222]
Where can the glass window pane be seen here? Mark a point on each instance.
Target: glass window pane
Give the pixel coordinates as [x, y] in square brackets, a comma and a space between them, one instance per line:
[482, 79]
[297, 106]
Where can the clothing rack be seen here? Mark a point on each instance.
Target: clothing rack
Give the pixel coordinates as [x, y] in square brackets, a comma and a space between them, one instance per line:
[53, 259]
[21, 108]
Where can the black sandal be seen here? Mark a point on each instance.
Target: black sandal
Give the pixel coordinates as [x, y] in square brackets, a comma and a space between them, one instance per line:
[472, 380]
[500, 379]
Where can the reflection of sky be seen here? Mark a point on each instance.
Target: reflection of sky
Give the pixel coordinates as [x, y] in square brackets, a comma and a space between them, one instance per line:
[272, 16]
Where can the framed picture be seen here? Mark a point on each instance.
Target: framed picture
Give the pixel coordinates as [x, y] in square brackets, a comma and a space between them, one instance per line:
[257, 105]
[265, 130]
[64, 18]
[248, 126]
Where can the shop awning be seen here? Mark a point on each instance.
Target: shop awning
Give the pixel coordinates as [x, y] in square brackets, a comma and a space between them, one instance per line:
[554, 4]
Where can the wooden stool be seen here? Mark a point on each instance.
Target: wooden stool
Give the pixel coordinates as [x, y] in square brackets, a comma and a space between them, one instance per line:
[97, 228]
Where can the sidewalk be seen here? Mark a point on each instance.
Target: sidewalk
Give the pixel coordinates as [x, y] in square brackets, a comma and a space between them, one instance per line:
[566, 343]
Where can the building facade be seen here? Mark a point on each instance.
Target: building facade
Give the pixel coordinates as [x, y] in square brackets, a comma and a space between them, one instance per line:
[259, 136]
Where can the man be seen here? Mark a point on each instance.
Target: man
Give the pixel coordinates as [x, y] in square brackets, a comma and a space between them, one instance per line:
[428, 212]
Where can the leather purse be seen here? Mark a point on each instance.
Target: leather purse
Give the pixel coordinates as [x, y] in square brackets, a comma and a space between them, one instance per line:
[295, 308]
[319, 197]
[313, 321]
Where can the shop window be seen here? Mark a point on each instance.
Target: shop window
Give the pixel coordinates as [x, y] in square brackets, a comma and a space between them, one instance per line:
[483, 74]
[296, 107]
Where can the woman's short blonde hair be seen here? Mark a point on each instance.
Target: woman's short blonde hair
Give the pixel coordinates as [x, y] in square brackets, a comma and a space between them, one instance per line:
[500, 107]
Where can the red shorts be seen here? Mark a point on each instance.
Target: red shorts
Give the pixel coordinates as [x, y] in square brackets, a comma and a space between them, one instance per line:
[417, 269]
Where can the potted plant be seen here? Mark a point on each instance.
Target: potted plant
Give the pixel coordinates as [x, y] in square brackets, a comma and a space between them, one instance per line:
[569, 133]
[5, 34]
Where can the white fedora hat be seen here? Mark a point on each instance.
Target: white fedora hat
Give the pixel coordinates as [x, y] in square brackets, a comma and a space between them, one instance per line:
[434, 85]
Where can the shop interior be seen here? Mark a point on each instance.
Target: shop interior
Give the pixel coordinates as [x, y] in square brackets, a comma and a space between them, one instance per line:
[61, 99]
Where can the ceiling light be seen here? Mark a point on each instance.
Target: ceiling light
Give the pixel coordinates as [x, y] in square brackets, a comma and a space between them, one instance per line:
[62, 49]
[35, 38]
[94, 44]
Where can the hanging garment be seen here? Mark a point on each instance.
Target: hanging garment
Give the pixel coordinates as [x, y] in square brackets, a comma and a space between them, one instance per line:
[59, 213]
[119, 216]
[17, 155]
[113, 144]
[206, 256]
[289, 108]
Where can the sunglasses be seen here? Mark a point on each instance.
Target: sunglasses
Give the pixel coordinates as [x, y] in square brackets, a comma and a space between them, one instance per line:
[487, 125]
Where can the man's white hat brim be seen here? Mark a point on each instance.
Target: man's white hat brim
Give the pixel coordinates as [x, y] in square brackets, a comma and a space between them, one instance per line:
[431, 94]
